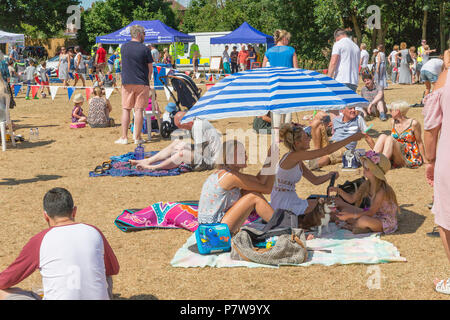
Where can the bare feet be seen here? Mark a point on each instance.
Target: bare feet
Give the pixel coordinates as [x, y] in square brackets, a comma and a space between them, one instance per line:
[141, 166]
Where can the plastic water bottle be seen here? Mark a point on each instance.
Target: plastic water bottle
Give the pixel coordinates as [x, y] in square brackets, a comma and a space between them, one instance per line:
[139, 152]
[36, 134]
[31, 135]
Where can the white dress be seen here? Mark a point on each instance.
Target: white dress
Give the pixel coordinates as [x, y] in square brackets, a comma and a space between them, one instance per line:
[284, 195]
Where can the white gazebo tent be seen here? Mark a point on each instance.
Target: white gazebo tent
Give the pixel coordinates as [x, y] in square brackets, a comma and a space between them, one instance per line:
[8, 37]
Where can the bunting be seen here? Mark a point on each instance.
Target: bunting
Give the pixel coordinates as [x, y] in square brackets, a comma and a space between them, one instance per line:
[108, 92]
[70, 91]
[17, 88]
[53, 90]
[88, 92]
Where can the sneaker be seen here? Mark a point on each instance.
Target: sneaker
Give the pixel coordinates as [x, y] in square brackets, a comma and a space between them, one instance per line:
[139, 141]
[383, 116]
[443, 286]
[36, 97]
[27, 98]
[121, 141]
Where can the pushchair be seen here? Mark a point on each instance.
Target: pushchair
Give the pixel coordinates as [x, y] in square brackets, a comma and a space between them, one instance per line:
[187, 94]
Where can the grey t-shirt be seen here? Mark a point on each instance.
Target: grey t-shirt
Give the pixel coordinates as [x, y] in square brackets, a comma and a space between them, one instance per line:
[343, 130]
[370, 94]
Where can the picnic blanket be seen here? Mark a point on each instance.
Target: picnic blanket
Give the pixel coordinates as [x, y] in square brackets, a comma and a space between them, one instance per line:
[174, 215]
[339, 246]
[122, 168]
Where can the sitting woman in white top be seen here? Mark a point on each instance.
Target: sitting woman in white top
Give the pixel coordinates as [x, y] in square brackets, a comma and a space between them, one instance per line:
[229, 196]
[201, 155]
[291, 168]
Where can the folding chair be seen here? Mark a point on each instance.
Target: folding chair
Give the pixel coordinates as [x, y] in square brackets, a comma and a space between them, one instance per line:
[5, 120]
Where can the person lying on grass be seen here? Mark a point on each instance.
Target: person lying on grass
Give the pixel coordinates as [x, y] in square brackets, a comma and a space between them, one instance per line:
[200, 156]
[229, 196]
[381, 216]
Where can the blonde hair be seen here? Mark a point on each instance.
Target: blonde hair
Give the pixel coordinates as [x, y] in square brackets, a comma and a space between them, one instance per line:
[412, 49]
[289, 135]
[363, 191]
[136, 30]
[426, 47]
[363, 45]
[280, 34]
[228, 151]
[396, 47]
[403, 45]
[401, 106]
[98, 91]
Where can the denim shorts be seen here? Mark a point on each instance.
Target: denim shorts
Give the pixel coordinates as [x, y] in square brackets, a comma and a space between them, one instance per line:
[428, 76]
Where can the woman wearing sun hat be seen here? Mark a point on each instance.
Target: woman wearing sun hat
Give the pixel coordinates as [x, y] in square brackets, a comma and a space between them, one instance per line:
[381, 216]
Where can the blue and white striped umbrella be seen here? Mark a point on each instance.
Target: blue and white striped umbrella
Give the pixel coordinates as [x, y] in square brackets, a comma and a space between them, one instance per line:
[278, 89]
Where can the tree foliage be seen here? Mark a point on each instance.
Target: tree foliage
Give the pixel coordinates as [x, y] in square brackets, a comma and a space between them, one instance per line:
[47, 17]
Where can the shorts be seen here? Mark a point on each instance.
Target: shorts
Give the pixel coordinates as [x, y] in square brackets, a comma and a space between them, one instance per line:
[428, 76]
[23, 295]
[336, 157]
[135, 96]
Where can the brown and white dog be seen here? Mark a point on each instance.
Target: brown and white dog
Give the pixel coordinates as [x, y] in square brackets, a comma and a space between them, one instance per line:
[320, 216]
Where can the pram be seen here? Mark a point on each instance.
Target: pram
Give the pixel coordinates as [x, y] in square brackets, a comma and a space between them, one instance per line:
[187, 94]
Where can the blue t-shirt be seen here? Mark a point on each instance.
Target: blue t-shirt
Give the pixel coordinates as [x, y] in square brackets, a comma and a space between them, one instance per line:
[135, 59]
[280, 56]
[111, 59]
[343, 130]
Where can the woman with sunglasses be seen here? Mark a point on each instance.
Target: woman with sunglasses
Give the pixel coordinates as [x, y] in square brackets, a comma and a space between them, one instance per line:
[64, 66]
[291, 168]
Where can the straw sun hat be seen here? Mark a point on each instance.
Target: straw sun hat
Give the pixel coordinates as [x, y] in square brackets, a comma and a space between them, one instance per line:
[78, 98]
[377, 163]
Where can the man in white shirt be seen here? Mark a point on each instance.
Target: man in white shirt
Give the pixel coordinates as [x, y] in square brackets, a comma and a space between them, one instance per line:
[364, 61]
[345, 59]
[430, 71]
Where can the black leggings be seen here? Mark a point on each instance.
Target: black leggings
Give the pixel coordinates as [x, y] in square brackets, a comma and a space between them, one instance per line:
[234, 67]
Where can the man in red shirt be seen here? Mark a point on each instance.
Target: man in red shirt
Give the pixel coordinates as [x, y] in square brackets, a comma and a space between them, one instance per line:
[243, 58]
[75, 260]
[100, 58]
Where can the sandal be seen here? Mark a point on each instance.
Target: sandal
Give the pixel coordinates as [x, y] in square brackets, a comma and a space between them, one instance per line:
[99, 170]
[107, 165]
[443, 286]
[434, 234]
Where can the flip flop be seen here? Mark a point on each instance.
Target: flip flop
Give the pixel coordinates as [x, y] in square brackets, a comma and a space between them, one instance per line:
[107, 165]
[99, 170]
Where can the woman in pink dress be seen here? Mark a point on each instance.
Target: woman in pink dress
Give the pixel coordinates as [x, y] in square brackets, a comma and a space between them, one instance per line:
[437, 119]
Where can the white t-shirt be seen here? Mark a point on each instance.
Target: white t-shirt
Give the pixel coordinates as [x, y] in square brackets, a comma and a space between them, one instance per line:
[348, 63]
[74, 261]
[391, 56]
[434, 66]
[364, 58]
[203, 131]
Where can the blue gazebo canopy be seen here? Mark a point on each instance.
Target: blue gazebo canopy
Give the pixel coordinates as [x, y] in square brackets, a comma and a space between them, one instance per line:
[155, 32]
[244, 34]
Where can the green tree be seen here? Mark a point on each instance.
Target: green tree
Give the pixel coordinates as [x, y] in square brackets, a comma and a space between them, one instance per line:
[48, 17]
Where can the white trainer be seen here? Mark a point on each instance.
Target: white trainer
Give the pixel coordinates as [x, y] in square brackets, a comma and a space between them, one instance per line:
[121, 141]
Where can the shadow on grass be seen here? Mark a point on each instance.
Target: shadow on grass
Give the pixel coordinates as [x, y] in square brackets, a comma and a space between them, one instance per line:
[116, 296]
[409, 221]
[15, 182]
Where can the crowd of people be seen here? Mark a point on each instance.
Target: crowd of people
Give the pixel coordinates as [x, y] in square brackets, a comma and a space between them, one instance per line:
[228, 195]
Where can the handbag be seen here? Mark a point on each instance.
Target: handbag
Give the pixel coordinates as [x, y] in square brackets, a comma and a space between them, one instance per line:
[350, 160]
[289, 247]
[351, 187]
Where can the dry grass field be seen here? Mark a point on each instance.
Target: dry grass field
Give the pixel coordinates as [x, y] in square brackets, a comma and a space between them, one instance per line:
[63, 157]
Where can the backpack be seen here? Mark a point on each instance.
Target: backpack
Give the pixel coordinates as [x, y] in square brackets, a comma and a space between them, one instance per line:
[409, 59]
[288, 248]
